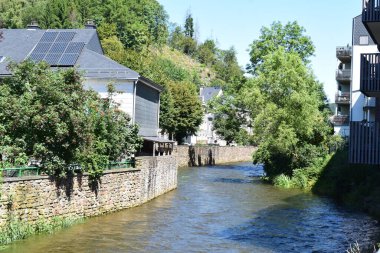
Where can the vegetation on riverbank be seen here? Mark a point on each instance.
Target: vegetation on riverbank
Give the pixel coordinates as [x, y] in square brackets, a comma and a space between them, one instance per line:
[356, 186]
[17, 229]
[48, 118]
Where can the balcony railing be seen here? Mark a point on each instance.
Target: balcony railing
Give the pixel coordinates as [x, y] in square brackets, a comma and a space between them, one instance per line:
[344, 53]
[370, 16]
[343, 75]
[370, 74]
[365, 142]
[340, 120]
[342, 98]
[369, 103]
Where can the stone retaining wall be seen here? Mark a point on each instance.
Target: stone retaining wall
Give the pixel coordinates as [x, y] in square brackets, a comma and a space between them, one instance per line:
[43, 197]
[189, 156]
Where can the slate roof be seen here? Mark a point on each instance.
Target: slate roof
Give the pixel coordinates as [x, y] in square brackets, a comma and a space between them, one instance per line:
[207, 93]
[17, 44]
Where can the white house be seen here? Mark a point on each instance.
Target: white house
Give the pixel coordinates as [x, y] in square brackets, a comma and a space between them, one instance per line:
[81, 48]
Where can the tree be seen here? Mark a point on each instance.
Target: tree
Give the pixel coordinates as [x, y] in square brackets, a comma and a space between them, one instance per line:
[189, 26]
[229, 119]
[187, 110]
[291, 37]
[284, 102]
[207, 53]
[50, 117]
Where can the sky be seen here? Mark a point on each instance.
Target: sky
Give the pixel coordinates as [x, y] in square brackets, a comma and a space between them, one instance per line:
[238, 22]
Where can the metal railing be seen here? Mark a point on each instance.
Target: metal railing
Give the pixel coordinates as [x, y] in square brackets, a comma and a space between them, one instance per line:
[340, 120]
[342, 98]
[370, 73]
[343, 52]
[364, 142]
[343, 75]
[36, 171]
[370, 102]
[371, 11]
[20, 172]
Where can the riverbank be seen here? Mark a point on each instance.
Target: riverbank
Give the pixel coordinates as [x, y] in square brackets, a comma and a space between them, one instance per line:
[356, 186]
[41, 202]
[217, 209]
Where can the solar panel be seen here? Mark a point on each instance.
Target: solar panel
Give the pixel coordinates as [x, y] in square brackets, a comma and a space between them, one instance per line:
[52, 59]
[58, 48]
[37, 57]
[42, 48]
[49, 36]
[74, 48]
[65, 36]
[68, 59]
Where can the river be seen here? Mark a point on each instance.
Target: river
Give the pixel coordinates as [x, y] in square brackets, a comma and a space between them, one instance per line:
[217, 209]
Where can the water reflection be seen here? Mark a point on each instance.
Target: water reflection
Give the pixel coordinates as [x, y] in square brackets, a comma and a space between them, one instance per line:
[217, 209]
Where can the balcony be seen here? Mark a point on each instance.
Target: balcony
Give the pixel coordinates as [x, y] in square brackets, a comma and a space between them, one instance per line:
[369, 103]
[343, 75]
[365, 142]
[370, 74]
[342, 98]
[371, 18]
[340, 120]
[344, 54]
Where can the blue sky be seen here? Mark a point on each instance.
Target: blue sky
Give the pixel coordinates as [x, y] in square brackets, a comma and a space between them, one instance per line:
[238, 22]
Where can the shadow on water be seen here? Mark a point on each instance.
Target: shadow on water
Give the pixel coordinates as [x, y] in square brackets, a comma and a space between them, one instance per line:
[302, 224]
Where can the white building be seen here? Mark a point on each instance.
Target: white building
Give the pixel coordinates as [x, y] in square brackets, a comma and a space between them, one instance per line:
[341, 118]
[206, 134]
[365, 90]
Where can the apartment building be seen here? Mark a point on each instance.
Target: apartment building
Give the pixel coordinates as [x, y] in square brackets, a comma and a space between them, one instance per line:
[341, 118]
[365, 90]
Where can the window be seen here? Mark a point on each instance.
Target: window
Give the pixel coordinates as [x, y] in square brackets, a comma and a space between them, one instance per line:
[363, 40]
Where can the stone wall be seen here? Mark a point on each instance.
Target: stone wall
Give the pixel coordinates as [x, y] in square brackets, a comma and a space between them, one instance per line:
[188, 156]
[34, 198]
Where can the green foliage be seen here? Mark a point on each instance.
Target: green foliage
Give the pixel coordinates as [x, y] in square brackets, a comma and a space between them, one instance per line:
[17, 229]
[229, 119]
[284, 102]
[354, 185]
[48, 116]
[291, 37]
[189, 26]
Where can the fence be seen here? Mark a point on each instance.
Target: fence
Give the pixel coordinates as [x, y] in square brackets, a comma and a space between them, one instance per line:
[36, 171]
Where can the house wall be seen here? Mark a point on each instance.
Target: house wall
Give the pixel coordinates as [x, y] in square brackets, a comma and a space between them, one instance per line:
[125, 98]
[147, 109]
[38, 198]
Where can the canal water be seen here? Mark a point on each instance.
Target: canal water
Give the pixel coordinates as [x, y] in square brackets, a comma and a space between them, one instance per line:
[217, 209]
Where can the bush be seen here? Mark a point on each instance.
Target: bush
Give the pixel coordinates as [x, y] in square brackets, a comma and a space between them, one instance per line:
[48, 116]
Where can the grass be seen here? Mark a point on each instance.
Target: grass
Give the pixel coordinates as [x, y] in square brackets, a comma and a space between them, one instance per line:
[18, 230]
[356, 186]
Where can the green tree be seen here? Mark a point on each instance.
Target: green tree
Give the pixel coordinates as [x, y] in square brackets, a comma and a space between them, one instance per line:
[189, 26]
[284, 102]
[207, 53]
[291, 37]
[48, 116]
[187, 110]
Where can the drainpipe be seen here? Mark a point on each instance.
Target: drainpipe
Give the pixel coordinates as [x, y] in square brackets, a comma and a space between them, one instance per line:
[134, 102]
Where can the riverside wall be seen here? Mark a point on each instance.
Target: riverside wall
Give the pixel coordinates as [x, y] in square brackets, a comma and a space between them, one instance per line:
[190, 156]
[42, 197]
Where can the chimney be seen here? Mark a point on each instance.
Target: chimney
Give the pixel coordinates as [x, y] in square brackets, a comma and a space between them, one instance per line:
[33, 25]
[90, 24]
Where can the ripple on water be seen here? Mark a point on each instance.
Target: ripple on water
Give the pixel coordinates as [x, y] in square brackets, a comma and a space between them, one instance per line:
[217, 209]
